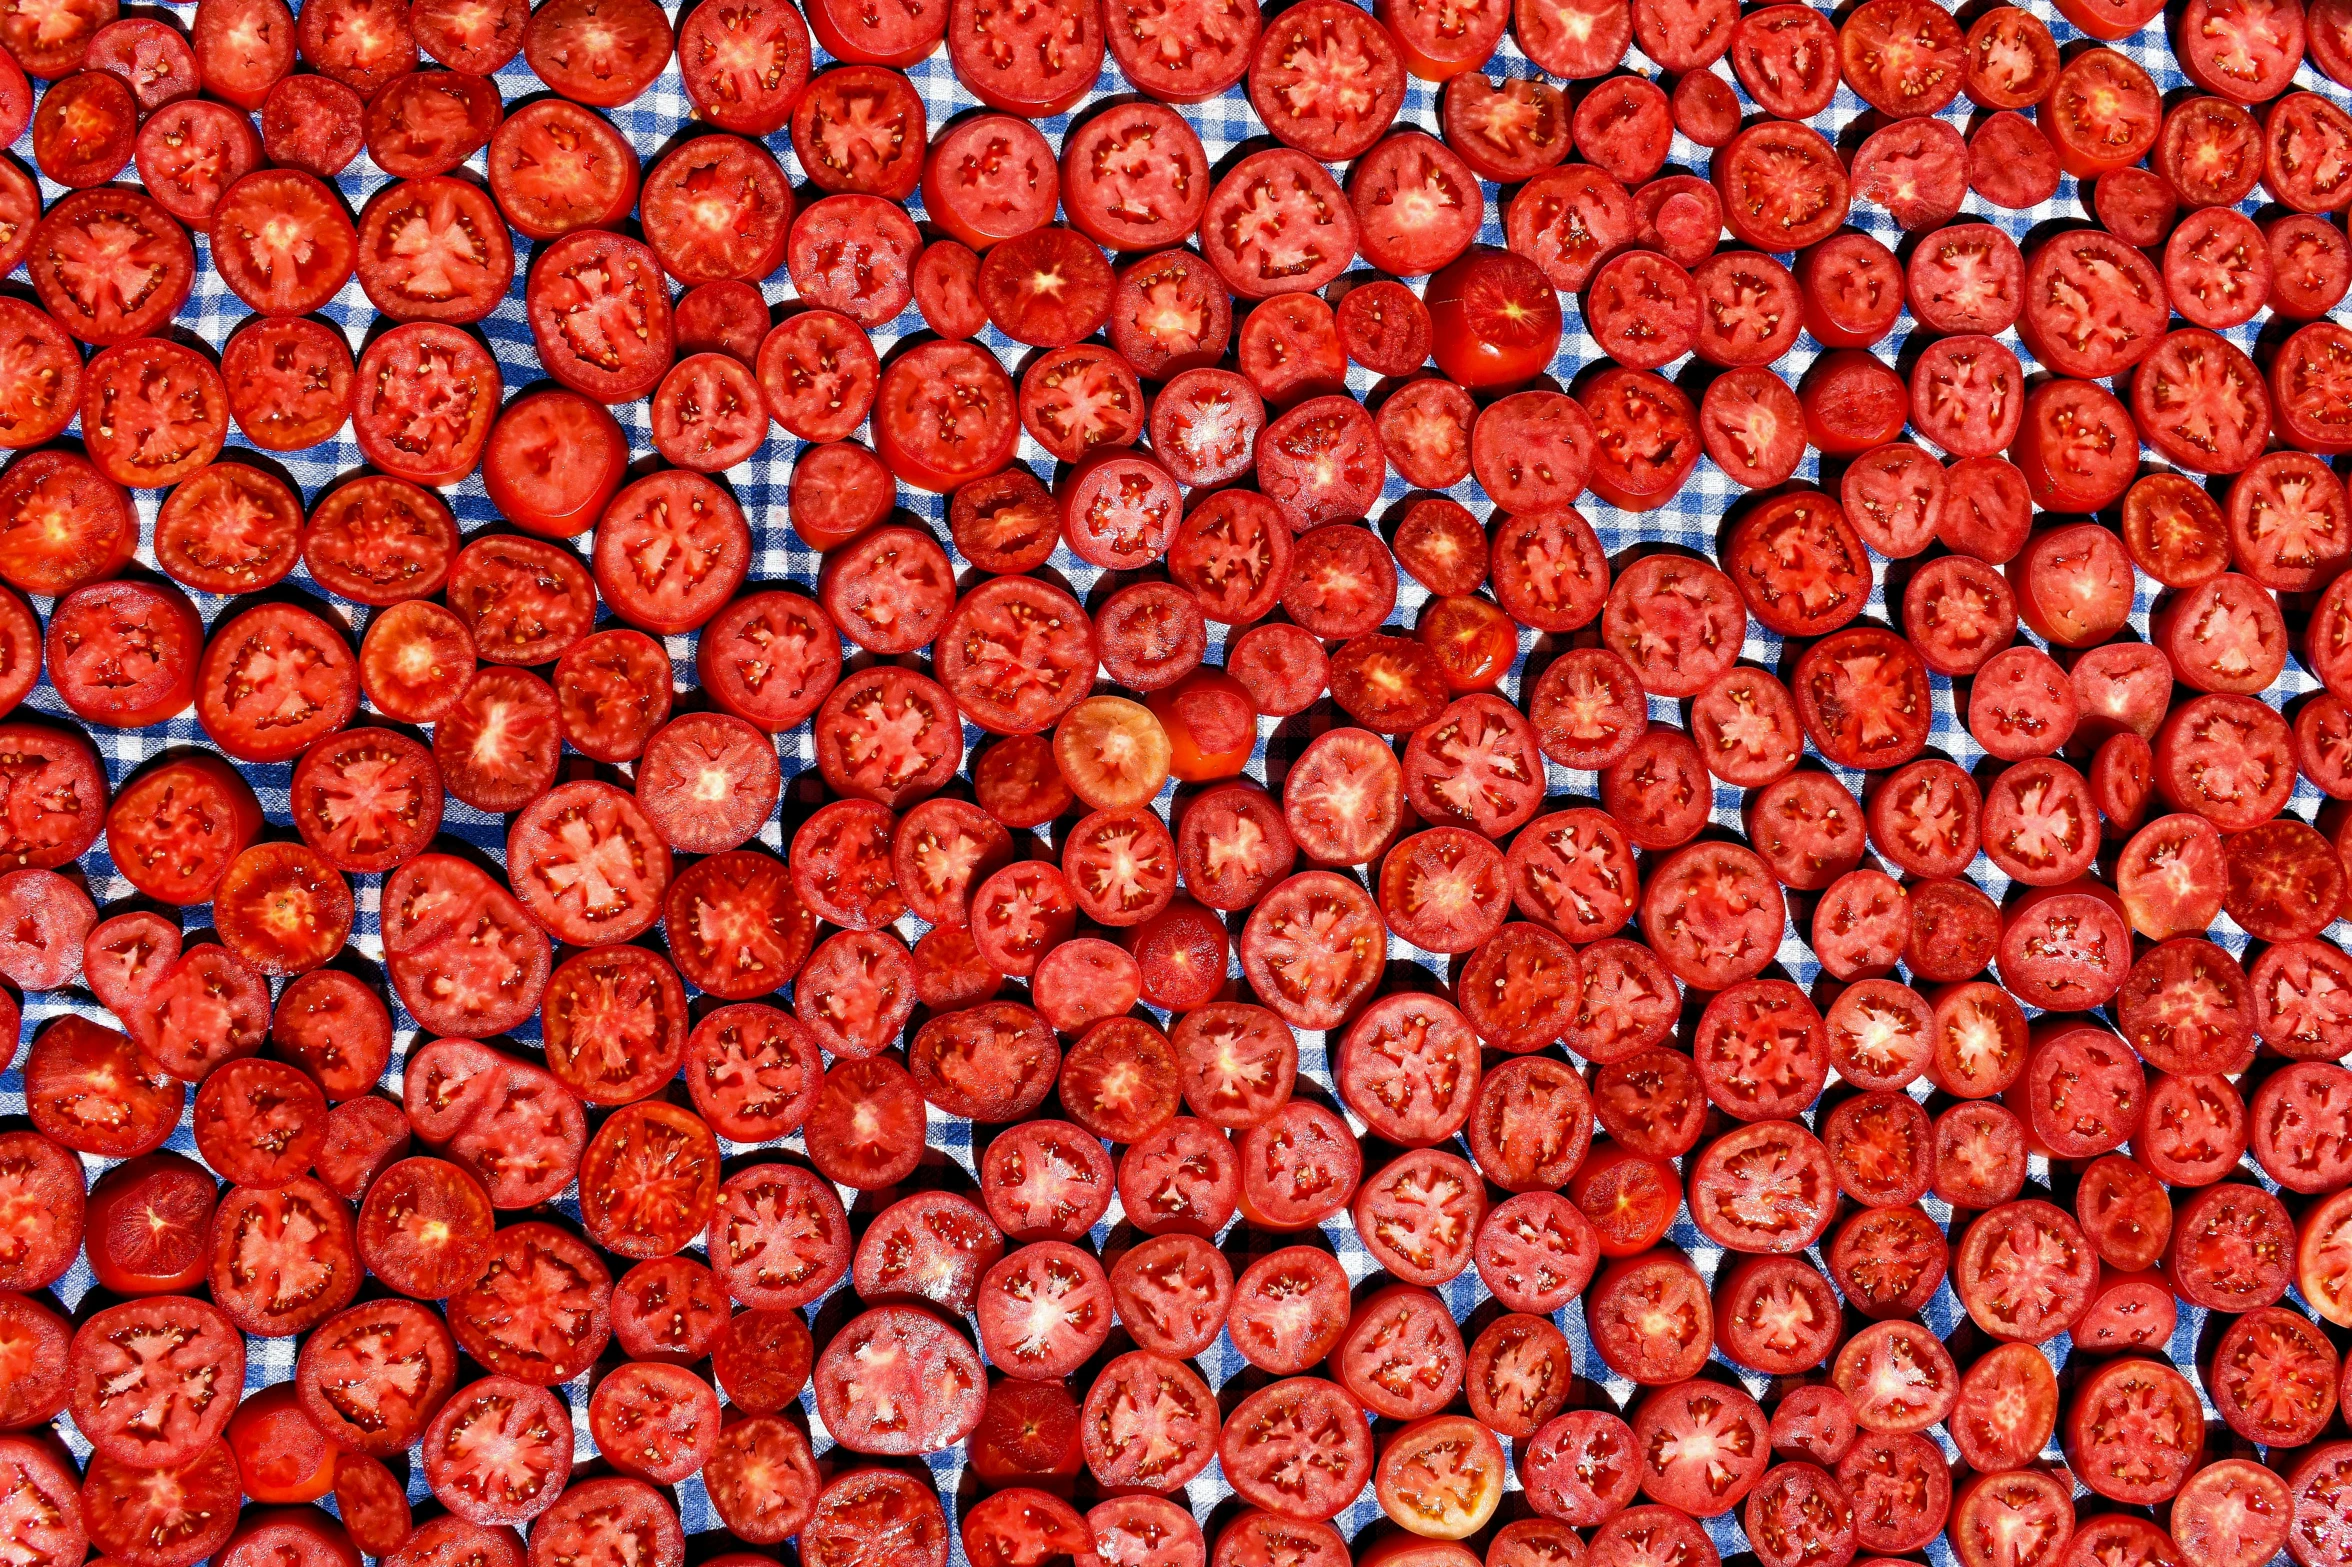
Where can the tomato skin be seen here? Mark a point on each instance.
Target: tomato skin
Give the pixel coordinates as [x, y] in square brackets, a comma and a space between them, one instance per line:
[1853, 290]
[1852, 402]
[1494, 317]
[1211, 724]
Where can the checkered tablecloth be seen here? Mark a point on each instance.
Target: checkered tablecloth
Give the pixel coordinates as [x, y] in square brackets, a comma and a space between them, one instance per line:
[1692, 519]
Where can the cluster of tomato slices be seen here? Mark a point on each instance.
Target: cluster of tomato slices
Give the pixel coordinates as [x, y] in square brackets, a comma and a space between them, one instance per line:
[1614, 1049]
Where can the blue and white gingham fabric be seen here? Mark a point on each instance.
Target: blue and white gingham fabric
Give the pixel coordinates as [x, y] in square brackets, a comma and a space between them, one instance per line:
[1691, 520]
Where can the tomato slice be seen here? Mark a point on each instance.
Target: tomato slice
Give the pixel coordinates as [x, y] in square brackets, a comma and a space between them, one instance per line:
[283, 908]
[670, 550]
[2246, 53]
[2094, 305]
[717, 209]
[649, 1181]
[769, 659]
[83, 129]
[472, 36]
[416, 662]
[555, 167]
[427, 122]
[289, 382]
[229, 528]
[435, 249]
[708, 414]
[461, 950]
[736, 926]
[2209, 152]
[818, 373]
[2102, 113]
[2011, 59]
[427, 394]
[1315, 239]
[600, 314]
[124, 653]
[661, 1423]
[2201, 403]
[81, 250]
[838, 490]
[1852, 284]
[914, 433]
[854, 254]
[1078, 399]
[744, 67]
[599, 52]
[1205, 426]
[313, 123]
[612, 692]
[2310, 272]
[587, 864]
[382, 541]
[274, 680]
[2312, 399]
[522, 601]
[1171, 314]
[50, 926]
[42, 397]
